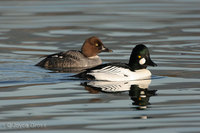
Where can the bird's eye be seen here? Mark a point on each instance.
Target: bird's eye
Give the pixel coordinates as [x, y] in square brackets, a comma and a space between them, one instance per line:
[139, 57]
[96, 44]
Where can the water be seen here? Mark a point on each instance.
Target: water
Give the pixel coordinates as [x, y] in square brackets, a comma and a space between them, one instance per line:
[38, 100]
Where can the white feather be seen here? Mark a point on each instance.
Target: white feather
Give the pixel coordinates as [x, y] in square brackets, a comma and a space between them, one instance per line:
[109, 69]
[114, 73]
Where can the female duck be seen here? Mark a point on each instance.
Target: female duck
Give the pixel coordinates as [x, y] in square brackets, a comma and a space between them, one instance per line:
[134, 70]
[87, 57]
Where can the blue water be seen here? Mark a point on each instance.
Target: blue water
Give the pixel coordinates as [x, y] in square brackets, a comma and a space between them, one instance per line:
[39, 100]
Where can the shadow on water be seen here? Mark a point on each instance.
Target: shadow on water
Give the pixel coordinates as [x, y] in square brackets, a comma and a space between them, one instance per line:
[138, 90]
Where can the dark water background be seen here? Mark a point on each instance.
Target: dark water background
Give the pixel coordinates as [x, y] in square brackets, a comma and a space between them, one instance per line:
[33, 99]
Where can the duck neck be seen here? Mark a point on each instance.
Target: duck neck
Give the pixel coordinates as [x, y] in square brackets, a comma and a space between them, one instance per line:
[135, 66]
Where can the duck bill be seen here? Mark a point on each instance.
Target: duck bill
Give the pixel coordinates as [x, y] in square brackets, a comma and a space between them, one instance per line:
[104, 49]
[151, 63]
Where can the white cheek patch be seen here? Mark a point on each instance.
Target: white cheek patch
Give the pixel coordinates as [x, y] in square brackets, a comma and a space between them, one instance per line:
[142, 61]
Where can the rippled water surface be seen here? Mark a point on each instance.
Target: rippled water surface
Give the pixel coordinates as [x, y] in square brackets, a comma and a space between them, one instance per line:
[38, 100]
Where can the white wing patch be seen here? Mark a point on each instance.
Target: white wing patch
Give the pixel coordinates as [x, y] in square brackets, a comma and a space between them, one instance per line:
[55, 56]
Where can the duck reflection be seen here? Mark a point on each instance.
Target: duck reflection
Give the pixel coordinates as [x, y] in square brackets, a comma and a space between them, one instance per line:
[141, 95]
[138, 90]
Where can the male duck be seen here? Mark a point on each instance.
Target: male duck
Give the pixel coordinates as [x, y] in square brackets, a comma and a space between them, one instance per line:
[134, 70]
[85, 58]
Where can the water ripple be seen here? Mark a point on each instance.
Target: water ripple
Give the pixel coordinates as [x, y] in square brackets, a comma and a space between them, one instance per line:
[38, 100]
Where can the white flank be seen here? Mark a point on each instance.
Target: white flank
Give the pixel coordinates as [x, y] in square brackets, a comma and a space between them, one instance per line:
[119, 74]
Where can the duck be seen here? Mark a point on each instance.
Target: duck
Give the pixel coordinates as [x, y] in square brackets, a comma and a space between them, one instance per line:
[84, 58]
[134, 70]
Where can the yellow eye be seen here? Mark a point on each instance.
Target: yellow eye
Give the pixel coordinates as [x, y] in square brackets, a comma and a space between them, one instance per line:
[139, 56]
[96, 44]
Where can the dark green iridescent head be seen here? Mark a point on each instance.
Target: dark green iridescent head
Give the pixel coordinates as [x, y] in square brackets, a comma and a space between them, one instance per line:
[140, 58]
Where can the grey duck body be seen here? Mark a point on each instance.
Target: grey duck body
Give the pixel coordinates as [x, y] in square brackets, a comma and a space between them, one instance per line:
[69, 59]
